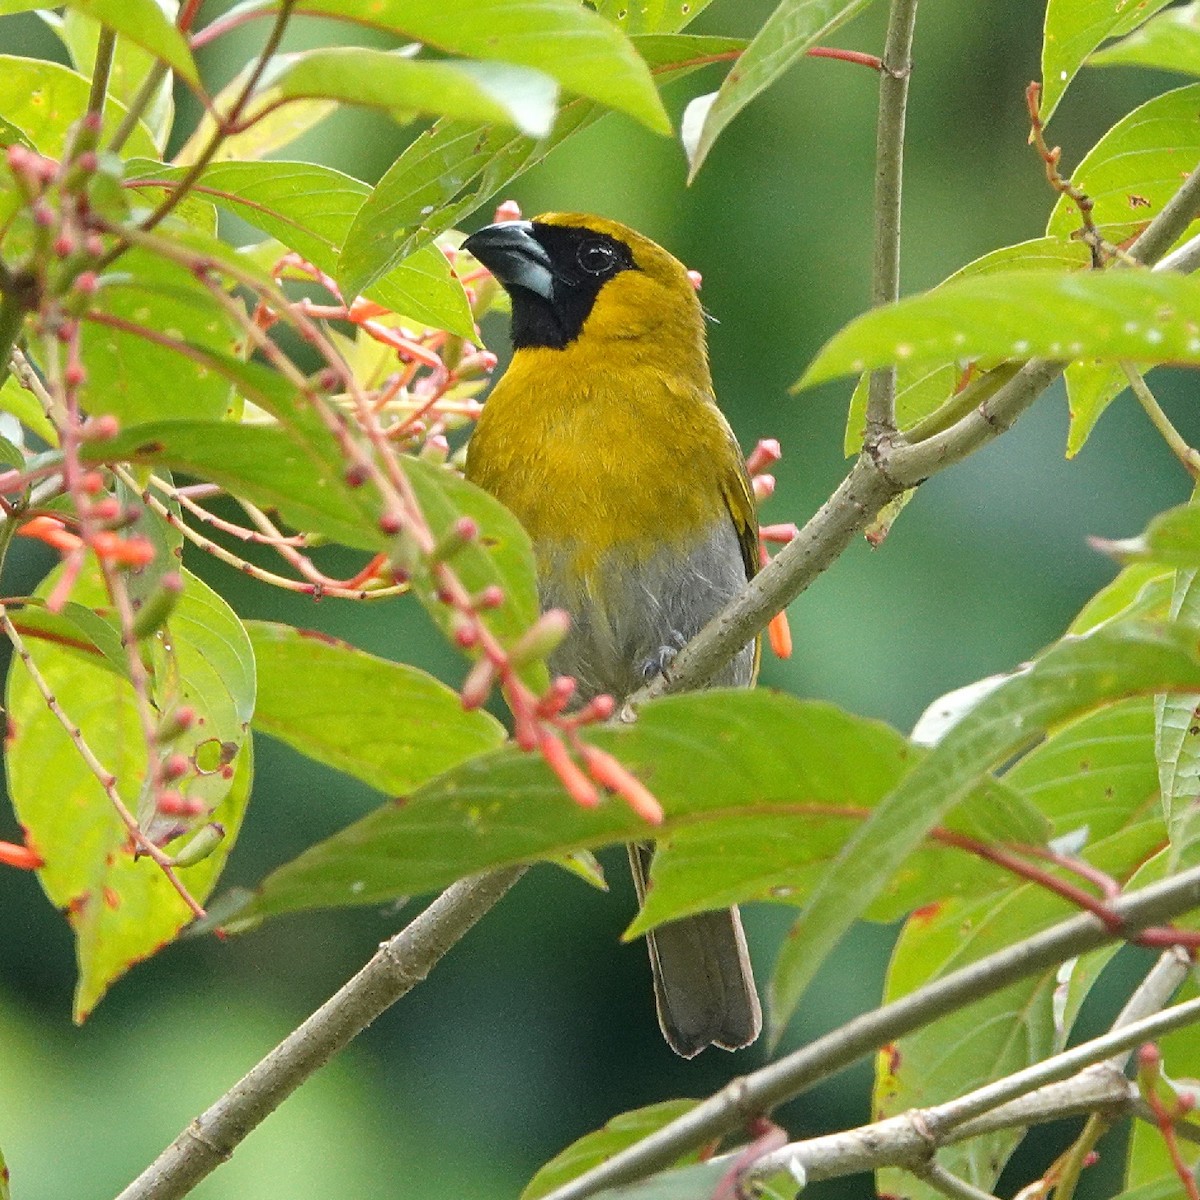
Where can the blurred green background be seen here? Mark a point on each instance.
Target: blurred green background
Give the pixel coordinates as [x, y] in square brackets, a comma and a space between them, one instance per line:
[540, 1025]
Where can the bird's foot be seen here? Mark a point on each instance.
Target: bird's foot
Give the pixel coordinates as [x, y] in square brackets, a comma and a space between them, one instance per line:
[659, 663]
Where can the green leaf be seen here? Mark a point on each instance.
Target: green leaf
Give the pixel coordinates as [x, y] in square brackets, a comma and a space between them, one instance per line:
[1074, 28]
[123, 910]
[712, 758]
[1148, 316]
[450, 170]
[597, 1147]
[445, 173]
[1006, 1032]
[502, 556]
[305, 206]
[1177, 747]
[424, 288]
[310, 208]
[144, 23]
[1165, 1187]
[386, 723]
[24, 406]
[126, 369]
[1172, 539]
[42, 99]
[75, 627]
[922, 389]
[1096, 780]
[1136, 167]
[686, 1183]
[838, 769]
[11, 135]
[1096, 774]
[562, 38]
[1142, 590]
[1169, 42]
[1091, 388]
[271, 130]
[1071, 678]
[791, 30]
[398, 83]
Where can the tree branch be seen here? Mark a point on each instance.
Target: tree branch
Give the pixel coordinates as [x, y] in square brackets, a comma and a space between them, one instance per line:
[398, 966]
[912, 1139]
[874, 481]
[779, 1081]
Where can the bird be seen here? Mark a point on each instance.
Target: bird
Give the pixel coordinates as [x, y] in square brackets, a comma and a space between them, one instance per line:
[604, 439]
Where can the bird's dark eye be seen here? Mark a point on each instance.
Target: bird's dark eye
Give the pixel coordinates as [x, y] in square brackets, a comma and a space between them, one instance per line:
[596, 258]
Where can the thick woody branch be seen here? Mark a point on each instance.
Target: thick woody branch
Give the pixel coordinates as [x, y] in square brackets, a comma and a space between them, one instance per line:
[881, 476]
[397, 967]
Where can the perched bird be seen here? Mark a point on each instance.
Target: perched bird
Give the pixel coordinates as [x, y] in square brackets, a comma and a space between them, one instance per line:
[604, 440]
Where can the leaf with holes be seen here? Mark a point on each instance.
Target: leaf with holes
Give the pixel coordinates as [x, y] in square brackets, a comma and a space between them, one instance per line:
[1135, 168]
[121, 909]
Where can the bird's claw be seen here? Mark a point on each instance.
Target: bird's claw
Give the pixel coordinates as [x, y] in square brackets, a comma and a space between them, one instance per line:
[660, 661]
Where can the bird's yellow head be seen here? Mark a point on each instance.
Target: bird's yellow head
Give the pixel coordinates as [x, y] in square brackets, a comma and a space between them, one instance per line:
[569, 273]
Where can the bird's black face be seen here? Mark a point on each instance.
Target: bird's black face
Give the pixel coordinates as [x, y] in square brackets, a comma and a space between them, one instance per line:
[553, 274]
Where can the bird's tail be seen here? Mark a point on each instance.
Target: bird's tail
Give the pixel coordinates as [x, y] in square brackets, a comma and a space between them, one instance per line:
[703, 983]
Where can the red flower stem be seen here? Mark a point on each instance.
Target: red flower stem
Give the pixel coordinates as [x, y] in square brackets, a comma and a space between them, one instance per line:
[276, 539]
[851, 56]
[1165, 1120]
[318, 589]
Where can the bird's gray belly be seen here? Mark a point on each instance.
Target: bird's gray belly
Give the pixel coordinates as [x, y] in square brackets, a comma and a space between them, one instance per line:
[643, 612]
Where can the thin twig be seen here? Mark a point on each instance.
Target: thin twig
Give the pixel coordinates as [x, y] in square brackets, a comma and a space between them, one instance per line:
[105, 45]
[1070, 1166]
[247, 568]
[889, 173]
[137, 106]
[183, 188]
[1188, 456]
[951, 1185]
